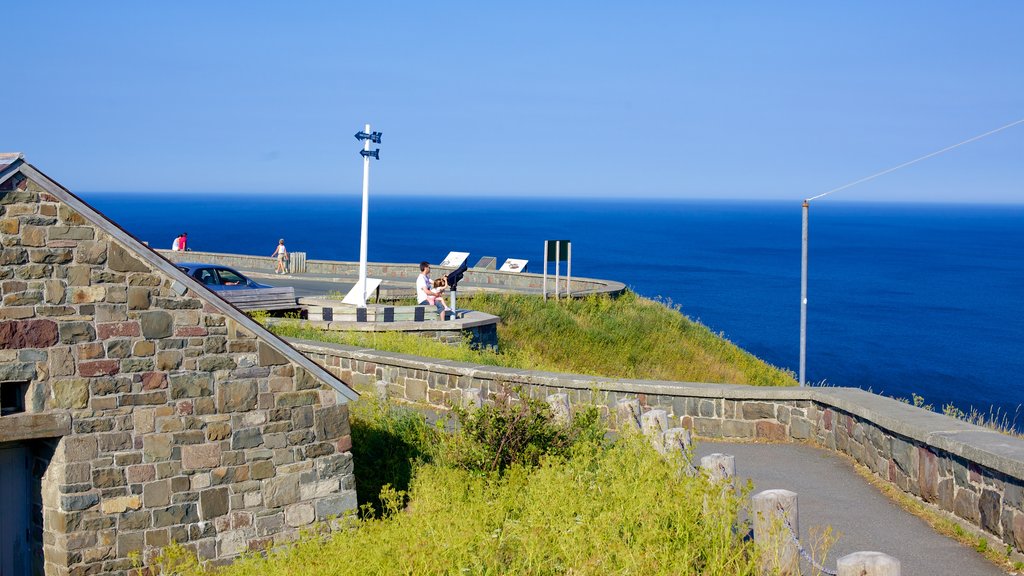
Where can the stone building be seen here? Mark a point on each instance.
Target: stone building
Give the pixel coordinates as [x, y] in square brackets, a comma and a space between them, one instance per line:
[140, 409]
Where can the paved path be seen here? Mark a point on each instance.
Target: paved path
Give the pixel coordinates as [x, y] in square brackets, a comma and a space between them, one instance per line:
[831, 493]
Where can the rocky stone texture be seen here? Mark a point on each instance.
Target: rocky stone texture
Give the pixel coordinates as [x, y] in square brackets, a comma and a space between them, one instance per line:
[917, 457]
[181, 430]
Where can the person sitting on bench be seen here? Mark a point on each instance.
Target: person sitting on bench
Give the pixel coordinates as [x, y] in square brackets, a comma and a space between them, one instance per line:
[425, 291]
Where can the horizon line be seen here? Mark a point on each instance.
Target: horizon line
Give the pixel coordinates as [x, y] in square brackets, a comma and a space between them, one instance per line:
[548, 197]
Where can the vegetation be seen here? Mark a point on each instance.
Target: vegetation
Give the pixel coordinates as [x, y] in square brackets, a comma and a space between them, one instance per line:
[624, 337]
[561, 501]
[995, 419]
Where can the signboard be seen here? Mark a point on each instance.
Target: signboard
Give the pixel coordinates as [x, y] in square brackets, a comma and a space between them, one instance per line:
[513, 265]
[487, 263]
[353, 296]
[454, 259]
[558, 250]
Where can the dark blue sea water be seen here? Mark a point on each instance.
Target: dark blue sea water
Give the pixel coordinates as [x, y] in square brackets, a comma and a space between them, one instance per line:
[925, 299]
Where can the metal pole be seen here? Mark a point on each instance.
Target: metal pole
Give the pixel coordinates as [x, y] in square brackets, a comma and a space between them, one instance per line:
[803, 298]
[544, 289]
[568, 272]
[558, 258]
[365, 222]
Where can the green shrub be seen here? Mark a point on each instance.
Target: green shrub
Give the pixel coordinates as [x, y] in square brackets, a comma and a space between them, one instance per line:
[387, 443]
[516, 430]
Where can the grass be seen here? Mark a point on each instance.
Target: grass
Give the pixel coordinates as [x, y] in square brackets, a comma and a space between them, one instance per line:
[574, 505]
[624, 337]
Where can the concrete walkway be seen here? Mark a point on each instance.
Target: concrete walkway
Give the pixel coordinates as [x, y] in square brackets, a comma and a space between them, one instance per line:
[831, 493]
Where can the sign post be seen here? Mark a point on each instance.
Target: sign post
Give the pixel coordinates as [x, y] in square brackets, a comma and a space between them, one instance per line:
[557, 251]
[366, 136]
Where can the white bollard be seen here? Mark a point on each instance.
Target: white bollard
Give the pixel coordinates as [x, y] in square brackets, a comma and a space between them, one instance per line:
[627, 413]
[774, 510]
[380, 389]
[653, 423]
[561, 411]
[471, 399]
[868, 564]
[720, 467]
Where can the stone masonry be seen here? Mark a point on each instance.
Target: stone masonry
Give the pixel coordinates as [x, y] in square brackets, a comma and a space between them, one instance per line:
[189, 422]
[974, 473]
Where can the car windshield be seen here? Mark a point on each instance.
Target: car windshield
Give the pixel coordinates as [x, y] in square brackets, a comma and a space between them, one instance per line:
[206, 276]
[230, 277]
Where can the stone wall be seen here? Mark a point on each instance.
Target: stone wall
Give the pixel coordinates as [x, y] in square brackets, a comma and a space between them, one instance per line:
[973, 472]
[189, 423]
[475, 279]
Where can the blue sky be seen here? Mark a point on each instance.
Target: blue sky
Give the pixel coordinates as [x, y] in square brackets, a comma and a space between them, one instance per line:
[659, 99]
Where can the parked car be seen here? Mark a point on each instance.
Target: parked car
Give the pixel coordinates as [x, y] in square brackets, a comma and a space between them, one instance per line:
[219, 278]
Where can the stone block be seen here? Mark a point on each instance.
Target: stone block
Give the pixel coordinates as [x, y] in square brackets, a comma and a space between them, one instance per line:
[246, 438]
[143, 348]
[295, 399]
[120, 505]
[190, 385]
[157, 494]
[200, 456]
[19, 334]
[156, 324]
[237, 396]
[214, 363]
[268, 356]
[71, 393]
[331, 423]
[50, 255]
[989, 506]
[334, 506]
[108, 477]
[261, 470]
[75, 332]
[281, 491]
[168, 360]
[213, 503]
[769, 430]
[175, 515]
[120, 260]
[118, 329]
[70, 233]
[99, 368]
[301, 514]
[75, 502]
[156, 447]
[757, 411]
[85, 294]
[138, 298]
[79, 448]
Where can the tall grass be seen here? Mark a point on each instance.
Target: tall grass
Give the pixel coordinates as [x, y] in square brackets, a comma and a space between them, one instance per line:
[593, 509]
[624, 337]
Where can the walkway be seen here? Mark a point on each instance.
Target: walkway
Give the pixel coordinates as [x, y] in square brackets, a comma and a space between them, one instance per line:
[831, 493]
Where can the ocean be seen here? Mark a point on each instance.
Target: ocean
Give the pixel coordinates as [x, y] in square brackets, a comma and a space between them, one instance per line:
[903, 299]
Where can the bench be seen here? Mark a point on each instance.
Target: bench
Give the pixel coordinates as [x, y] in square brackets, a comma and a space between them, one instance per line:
[261, 298]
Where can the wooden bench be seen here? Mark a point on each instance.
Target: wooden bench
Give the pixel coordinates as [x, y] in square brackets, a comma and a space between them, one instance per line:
[261, 298]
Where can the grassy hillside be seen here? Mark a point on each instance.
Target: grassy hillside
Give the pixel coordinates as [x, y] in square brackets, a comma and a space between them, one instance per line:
[624, 337]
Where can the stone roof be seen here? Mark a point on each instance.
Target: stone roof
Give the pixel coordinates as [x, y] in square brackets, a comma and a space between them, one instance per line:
[14, 163]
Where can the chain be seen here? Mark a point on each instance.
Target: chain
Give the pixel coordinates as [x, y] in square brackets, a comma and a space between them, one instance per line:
[803, 553]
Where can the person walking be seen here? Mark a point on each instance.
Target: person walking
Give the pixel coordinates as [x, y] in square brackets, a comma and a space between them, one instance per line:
[282, 257]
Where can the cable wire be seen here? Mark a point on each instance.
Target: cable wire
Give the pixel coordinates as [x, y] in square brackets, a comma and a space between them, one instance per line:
[916, 160]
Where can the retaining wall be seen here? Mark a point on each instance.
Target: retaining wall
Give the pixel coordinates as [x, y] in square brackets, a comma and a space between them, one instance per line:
[970, 471]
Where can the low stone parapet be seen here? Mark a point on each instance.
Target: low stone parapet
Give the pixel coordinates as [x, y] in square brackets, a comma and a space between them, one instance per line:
[973, 472]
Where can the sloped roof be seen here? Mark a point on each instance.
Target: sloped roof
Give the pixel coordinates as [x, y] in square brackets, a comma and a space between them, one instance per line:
[14, 163]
